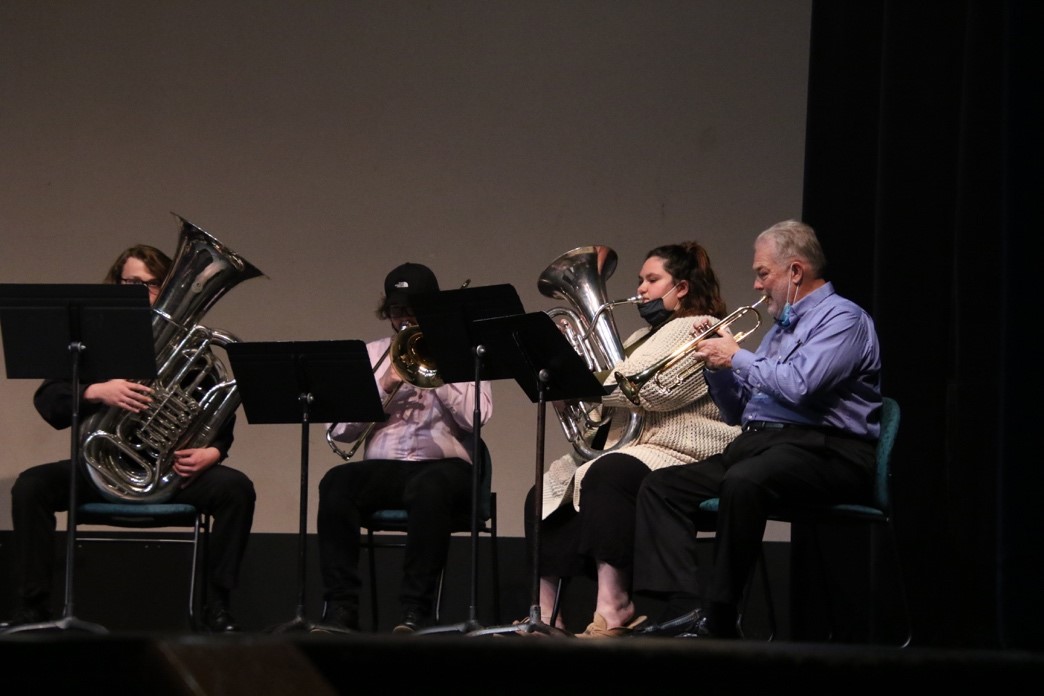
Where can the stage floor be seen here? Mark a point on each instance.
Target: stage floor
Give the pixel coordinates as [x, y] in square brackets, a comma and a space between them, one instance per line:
[316, 664]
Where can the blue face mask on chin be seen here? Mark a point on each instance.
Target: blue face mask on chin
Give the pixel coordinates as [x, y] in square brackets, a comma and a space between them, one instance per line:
[786, 317]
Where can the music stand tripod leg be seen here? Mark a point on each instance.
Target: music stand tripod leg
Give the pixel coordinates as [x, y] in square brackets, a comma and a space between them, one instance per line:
[68, 620]
[299, 622]
[535, 624]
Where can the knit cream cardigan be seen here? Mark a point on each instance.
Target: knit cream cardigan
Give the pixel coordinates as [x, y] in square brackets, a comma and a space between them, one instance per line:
[680, 424]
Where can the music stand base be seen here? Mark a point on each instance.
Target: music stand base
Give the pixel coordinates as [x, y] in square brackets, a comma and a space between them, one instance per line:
[67, 623]
[532, 625]
[464, 627]
[538, 628]
[298, 623]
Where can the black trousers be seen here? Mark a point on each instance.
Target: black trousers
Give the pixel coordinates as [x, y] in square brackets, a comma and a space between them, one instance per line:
[757, 472]
[437, 496]
[41, 491]
[571, 542]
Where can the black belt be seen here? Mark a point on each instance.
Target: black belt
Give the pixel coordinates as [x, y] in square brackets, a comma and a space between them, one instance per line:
[756, 426]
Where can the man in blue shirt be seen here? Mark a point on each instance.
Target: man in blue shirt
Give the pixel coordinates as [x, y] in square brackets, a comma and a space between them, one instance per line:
[809, 401]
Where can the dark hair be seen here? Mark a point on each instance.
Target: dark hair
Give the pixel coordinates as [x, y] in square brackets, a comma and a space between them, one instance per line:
[690, 262]
[155, 260]
[382, 308]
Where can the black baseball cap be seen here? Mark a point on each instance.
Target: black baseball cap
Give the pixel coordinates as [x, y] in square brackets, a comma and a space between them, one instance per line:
[408, 279]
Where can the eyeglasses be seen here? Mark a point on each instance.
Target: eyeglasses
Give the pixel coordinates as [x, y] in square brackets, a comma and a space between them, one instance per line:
[152, 285]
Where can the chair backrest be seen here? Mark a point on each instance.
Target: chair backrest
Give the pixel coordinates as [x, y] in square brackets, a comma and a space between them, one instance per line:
[889, 430]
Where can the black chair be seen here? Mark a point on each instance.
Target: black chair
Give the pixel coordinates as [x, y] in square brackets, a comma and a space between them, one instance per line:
[158, 518]
[878, 514]
[396, 521]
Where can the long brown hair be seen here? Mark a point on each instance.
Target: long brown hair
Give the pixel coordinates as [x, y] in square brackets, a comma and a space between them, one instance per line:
[690, 262]
[155, 260]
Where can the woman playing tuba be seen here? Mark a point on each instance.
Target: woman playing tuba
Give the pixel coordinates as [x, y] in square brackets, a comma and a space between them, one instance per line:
[588, 507]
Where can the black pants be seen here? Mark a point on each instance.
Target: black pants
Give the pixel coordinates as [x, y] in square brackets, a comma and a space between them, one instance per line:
[39, 492]
[755, 473]
[571, 542]
[437, 496]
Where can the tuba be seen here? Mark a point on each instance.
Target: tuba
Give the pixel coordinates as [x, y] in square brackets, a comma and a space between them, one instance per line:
[579, 276]
[130, 456]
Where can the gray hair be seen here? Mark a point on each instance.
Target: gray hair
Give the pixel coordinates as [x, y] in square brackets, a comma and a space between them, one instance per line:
[793, 239]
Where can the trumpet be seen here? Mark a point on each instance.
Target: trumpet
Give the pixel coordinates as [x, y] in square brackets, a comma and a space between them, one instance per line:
[631, 385]
[408, 359]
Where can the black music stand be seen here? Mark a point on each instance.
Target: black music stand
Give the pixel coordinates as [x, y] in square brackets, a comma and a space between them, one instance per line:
[83, 333]
[532, 349]
[298, 382]
[446, 319]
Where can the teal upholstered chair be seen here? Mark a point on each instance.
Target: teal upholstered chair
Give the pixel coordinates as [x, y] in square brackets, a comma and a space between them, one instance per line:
[159, 519]
[396, 521]
[877, 514]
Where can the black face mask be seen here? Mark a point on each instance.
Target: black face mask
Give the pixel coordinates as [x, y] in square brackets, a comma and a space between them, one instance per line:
[654, 312]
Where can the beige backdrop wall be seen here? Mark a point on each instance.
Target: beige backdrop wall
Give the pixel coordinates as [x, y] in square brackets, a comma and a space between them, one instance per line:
[328, 141]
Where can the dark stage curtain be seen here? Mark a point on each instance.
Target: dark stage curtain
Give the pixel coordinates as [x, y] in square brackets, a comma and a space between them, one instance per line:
[923, 179]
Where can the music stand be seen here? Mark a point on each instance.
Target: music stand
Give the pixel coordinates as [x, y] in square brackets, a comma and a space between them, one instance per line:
[535, 351]
[445, 319]
[297, 382]
[82, 333]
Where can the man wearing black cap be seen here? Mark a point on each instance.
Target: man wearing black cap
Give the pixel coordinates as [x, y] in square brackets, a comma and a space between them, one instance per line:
[419, 459]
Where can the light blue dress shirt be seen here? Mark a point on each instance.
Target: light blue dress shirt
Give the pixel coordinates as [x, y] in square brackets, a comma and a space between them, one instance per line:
[822, 370]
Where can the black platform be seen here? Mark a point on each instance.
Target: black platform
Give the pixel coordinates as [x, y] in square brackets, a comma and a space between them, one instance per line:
[316, 664]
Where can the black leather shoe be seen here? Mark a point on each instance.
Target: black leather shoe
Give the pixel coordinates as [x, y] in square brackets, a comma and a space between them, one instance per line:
[339, 618]
[412, 620]
[685, 623]
[702, 629]
[218, 619]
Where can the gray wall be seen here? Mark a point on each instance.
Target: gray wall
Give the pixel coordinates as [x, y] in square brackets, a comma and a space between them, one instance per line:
[329, 141]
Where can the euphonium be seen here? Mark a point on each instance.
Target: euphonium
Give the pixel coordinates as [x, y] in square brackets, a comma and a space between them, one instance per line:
[579, 276]
[130, 456]
[631, 385]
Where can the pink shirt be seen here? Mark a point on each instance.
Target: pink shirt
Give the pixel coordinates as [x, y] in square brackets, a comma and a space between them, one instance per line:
[422, 424]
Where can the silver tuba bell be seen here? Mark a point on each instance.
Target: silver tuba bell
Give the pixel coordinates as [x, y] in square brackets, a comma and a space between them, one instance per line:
[130, 456]
[579, 276]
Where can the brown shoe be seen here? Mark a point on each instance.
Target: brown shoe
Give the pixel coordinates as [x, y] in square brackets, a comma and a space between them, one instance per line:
[598, 628]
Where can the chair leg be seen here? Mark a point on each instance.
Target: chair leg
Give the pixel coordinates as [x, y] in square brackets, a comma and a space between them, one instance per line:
[770, 606]
[496, 574]
[827, 597]
[373, 578]
[438, 594]
[201, 577]
[875, 586]
[195, 574]
[558, 599]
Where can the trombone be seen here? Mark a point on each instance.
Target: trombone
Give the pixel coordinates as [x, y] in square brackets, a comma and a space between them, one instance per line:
[408, 359]
[414, 367]
[631, 385]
